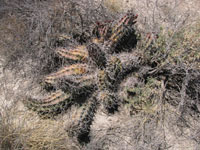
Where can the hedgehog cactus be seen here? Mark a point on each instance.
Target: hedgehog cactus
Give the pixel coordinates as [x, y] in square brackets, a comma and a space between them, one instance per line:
[95, 71]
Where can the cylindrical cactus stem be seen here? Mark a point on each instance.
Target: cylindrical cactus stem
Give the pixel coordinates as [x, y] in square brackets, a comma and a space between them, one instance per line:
[102, 31]
[119, 66]
[113, 69]
[77, 83]
[72, 77]
[129, 63]
[109, 100]
[102, 79]
[50, 105]
[80, 127]
[97, 55]
[122, 33]
[78, 54]
[71, 70]
[128, 19]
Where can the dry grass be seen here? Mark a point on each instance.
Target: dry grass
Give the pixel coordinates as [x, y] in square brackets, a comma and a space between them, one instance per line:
[23, 130]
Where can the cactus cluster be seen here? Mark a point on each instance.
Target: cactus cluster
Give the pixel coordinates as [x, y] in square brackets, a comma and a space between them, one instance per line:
[92, 73]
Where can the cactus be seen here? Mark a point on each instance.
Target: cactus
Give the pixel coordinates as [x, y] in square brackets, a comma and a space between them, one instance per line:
[97, 55]
[102, 31]
[123, 34]
[82, 121]
[94, 71]
[49, 105]
[109, 101]
[78, 54]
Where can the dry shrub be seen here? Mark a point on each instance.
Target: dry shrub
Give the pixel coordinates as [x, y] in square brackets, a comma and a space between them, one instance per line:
[178, 47]
[162, 130]
[43, 22]
[12, 30]
[185, 47]
[143, 97]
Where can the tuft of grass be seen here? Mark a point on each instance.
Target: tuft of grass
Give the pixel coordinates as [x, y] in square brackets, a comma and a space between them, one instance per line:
[23, 130]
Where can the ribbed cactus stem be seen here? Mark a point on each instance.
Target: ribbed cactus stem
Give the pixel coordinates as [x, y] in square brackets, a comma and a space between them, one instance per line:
[78, 54]
[67, 72]
[102, 31]
[51, 104]
[129, 62]
[82, 123]
[121, 32]
[109, 100]
[97, 55]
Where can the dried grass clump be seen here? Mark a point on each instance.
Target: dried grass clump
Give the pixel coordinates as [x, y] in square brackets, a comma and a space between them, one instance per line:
[21, 129]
